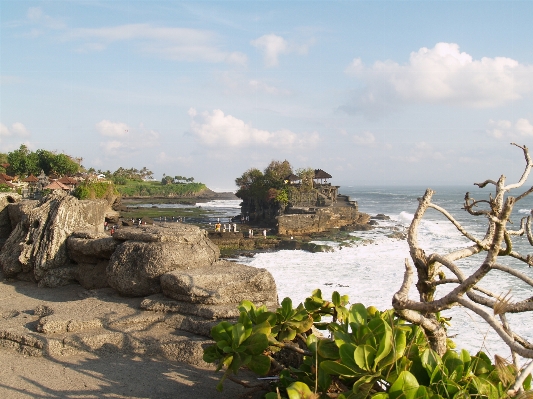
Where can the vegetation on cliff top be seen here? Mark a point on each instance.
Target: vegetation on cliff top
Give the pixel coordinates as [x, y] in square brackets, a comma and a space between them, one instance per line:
[268, 191]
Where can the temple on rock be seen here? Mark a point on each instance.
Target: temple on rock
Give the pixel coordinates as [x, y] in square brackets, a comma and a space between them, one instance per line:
[301, 204]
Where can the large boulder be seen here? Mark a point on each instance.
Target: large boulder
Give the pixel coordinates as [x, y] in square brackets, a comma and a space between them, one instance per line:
[84, 247]
[5, 222]
[147, 252]
[38, 243]
[221, 283]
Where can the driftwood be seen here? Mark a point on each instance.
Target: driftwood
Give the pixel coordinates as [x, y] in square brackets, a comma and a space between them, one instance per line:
[437, 269]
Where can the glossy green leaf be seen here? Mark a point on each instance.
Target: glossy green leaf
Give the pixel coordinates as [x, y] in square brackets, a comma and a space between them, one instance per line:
[385, 343]
[364, 357]
[327, 349]
[239, 335]
[287, 335]
[334, 368]
[222, 331]
[336, 298]
[256, 343]
[211, 354]
[397, 350]
[259, 364]
[358, 314]
[405, 386]
[430, 360]
[299, 390]
[324, 380]
[286, 308]
[346, 353]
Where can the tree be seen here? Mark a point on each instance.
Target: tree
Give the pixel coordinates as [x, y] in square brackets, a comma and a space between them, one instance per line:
[17, 160]
[441, 269]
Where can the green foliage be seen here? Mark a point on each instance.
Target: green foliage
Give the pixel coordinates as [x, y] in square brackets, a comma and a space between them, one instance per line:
[133, 188]
[370, 354]
[4, 188]
[24, 162]
[95, 190]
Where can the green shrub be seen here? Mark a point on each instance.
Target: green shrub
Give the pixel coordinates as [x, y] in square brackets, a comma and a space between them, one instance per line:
[369, 354]
[95, 190]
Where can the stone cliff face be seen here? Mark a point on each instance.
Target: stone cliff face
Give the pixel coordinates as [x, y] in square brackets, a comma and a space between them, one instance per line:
[320, 220]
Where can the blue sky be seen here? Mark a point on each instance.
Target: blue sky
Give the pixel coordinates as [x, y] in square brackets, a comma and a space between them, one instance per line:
[373, 92]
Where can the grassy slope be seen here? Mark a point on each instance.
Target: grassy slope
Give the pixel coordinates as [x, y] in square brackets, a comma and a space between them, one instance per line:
[137, 188]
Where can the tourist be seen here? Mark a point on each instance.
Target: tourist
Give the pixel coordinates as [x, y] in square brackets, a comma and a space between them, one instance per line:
[264, 233]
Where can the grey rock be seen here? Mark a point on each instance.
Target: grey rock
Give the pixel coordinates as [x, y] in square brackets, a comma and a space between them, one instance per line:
[163, 232]
[39, 243]
[135, 267]
[92, 276]
[59, 277]
[5, 221]
[91, 250]
[19, 211]
[221, 283]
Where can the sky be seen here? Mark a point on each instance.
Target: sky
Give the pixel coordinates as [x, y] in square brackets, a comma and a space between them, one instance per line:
[373, 92]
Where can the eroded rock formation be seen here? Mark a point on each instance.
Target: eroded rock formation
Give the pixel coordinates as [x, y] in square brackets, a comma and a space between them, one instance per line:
[60, 240]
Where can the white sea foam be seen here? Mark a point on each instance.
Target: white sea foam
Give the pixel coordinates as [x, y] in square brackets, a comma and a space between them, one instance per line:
[234, 204]
[372, 273]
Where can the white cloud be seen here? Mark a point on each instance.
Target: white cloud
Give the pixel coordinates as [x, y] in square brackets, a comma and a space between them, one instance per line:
[17, 129]
[504, 129]
[112, 129]
[257, 85]
[37, 16]
[217, 129]
[183, 44]
[164, 158]
[125, 141]
[273, 46]
[420, 152]
[366, 139]
[441, 75]
[4, 131]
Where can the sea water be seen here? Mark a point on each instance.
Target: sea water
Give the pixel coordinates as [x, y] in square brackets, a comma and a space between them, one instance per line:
[372, 269]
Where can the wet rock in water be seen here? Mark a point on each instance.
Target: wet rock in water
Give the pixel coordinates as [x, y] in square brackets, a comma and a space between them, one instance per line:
[398, 235]
[380, 216]
[221, 283]
[148, 252]
[357, 227]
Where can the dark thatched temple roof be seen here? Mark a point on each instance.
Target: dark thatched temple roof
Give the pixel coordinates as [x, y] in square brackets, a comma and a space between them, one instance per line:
[320, 174]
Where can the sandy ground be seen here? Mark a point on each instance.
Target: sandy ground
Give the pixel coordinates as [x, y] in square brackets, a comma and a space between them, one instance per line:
[112, 376]
[91, 375]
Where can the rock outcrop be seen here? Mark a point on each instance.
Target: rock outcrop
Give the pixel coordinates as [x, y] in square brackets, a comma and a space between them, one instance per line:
[37, 248]
[148, 252]
[221, 283]
[319, 220]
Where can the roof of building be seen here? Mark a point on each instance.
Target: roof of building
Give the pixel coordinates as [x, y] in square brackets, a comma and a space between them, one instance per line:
[56, 185]
[6, 177]
[68, 180]
[320, 174]
[31, 179]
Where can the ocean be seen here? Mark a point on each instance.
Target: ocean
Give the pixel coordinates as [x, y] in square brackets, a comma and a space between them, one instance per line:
[371, 270]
